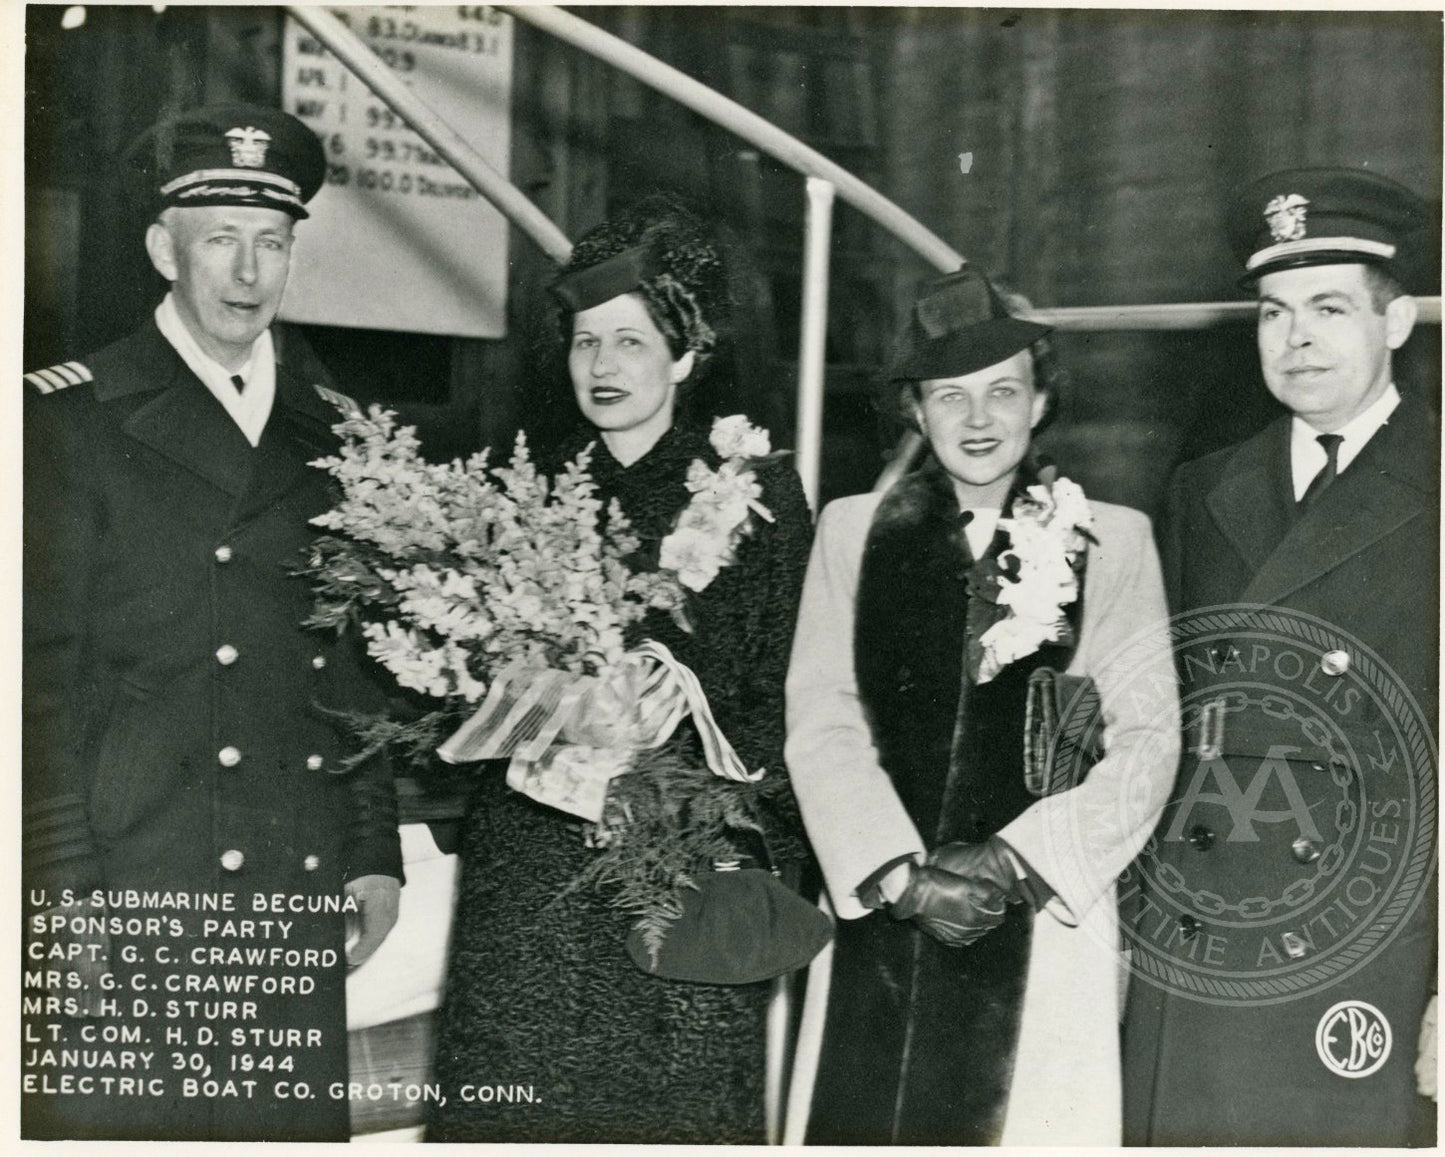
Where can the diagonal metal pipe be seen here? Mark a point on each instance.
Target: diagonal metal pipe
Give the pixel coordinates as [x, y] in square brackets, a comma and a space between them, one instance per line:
[744, 123]
[353, 52]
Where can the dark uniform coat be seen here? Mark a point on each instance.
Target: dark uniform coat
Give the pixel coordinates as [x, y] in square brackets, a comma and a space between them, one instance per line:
[175, 742]
[1302, 871]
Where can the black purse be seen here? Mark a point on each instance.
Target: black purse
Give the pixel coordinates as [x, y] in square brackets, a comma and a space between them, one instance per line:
[737, 926]
[1063, 731]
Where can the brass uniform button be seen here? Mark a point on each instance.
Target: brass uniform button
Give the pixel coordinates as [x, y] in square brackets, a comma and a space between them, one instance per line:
[232, 860]
[1305, 851]
[227, 654]
[1334, 663]
[228, 756]
[224, 554]
[314, 762]
[1201, 839]
[311, 863]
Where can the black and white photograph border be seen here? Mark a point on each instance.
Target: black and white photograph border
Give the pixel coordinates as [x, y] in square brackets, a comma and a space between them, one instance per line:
[1357, 890]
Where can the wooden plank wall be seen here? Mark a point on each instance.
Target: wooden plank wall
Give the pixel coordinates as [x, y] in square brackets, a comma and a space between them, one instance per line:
[1104, 144]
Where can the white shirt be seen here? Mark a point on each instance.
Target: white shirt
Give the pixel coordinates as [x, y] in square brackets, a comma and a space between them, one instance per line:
[1307, 457]
[980, 530]
[249, 408]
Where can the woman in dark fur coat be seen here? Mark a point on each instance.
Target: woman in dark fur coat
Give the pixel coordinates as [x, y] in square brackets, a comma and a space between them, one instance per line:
[975, 980]
[541, 994]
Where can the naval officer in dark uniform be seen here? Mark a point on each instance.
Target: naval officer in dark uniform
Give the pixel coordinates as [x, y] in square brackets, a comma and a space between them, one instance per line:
[187, 819]
[1284, 927]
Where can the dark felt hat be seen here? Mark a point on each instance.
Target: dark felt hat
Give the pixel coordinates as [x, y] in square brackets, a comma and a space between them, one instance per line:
[229, 154]
[581, 289]
[1326, 217]
[958, 325]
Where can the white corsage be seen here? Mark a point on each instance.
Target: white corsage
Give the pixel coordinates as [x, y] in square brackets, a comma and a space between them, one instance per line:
[1048, 529]
[710, 526]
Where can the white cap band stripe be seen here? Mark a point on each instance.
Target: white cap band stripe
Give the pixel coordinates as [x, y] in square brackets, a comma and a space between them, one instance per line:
[255, 176]
[85, 375]
[1320, 245]
[53, 378]
[247, 189]
[34, 378]
[70, 376]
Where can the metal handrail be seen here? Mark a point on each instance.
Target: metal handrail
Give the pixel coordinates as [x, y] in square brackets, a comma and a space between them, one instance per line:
[741, 121]
[812, 337]
[1181, 316]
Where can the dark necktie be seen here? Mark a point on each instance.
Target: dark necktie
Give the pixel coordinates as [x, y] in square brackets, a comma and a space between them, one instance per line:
[1331, 444]
[237, 381]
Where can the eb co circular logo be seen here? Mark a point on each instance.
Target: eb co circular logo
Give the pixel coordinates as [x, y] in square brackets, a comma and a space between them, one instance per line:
[1353, 1039]
[1300, 834]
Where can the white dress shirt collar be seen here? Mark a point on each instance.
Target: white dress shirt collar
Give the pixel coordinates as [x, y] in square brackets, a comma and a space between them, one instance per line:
[249, 408]
[1307, 456]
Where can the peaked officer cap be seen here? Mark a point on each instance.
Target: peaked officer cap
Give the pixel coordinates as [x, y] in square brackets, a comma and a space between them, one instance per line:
[229, 154]
[1325, 217]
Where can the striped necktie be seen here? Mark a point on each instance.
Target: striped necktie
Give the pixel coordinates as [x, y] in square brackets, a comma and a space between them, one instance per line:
[1318, 484]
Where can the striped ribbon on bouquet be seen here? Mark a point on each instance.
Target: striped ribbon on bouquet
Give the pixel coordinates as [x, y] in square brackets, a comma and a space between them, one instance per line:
[568, 736]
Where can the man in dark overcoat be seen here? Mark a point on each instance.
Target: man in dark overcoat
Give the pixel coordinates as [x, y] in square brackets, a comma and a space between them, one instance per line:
[199, 865]
[1283, 928]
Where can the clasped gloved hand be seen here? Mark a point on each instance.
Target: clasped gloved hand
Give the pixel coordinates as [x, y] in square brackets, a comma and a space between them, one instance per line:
[996, 863]
[955, 910]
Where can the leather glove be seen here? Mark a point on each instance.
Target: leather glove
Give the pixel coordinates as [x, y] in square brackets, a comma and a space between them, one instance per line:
[955, 910]
[993, 861]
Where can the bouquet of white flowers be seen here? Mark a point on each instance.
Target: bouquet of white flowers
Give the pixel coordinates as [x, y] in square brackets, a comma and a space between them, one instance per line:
[457, 570]
[504, 597]
[1049, 529]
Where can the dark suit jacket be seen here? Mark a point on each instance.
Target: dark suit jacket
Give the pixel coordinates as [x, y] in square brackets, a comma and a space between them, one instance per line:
[176, 736]
[1357, 573]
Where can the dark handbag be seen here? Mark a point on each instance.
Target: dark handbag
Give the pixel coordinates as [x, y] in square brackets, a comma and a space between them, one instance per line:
[1063, 731]
[739, 925]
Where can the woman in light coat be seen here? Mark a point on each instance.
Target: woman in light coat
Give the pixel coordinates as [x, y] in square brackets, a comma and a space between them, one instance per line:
[976, 978]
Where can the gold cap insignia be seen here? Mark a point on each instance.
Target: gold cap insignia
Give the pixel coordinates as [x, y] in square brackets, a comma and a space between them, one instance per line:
[1286, 217]
[248, 147]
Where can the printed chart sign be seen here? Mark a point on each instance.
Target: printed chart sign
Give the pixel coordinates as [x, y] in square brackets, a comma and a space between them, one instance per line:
[397, 239]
